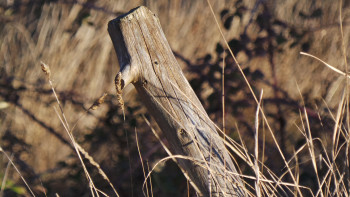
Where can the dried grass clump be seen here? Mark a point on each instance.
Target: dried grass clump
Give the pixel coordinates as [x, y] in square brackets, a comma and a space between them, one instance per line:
[72, 38]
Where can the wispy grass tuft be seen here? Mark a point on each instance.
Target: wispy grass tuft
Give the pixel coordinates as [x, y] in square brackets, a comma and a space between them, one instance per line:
[78, 149]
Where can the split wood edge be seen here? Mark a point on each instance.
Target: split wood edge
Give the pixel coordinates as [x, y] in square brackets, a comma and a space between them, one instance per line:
[146, 61]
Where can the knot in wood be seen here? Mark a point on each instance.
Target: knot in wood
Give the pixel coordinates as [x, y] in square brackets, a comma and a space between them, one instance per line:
[144, 82]
[183, 132]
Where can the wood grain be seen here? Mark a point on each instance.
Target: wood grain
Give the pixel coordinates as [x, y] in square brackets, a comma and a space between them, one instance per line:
[146, 60]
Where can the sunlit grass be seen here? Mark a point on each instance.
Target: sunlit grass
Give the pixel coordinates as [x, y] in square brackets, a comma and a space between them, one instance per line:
[83, 64]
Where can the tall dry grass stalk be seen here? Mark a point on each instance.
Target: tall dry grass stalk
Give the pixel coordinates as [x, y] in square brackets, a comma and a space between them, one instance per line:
[79, 150]
[17, 170]
[83, 61]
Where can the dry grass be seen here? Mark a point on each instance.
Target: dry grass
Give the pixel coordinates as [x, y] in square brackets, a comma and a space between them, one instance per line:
[78, 149]
[72, 38]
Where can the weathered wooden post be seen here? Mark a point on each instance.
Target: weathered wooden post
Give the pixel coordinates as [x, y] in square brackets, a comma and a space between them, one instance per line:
[146, 61]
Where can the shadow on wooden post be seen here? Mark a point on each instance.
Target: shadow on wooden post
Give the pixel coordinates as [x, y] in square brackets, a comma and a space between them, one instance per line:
[146, 60]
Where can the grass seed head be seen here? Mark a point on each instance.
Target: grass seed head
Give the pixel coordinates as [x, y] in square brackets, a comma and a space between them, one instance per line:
[119, 87]
[98, 102]
[46, 69]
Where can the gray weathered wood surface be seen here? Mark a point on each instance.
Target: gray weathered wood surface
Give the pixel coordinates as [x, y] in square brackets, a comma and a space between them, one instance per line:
[146, 60]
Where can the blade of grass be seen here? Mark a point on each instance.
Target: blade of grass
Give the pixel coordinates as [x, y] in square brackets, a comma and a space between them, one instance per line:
[78, 149]
[143, 167]
[312, 150]
[91, 184]
[309, 140]
[252, 92]
[346, 160]
[223, 99]
[46, 70]
[4, 178]
[150, 178]
[169, 153]
[17, 170]
[256, 149]
[197, 144]
[130, 167]
[325, 63]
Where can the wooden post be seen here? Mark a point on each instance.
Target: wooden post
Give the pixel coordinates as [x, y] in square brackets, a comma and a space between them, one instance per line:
[146, 60]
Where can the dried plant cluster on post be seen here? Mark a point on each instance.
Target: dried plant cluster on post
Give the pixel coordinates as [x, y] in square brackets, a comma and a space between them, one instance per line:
[146, 60]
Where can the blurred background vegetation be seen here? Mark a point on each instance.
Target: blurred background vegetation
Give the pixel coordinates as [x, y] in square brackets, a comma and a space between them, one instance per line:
[71, 37]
